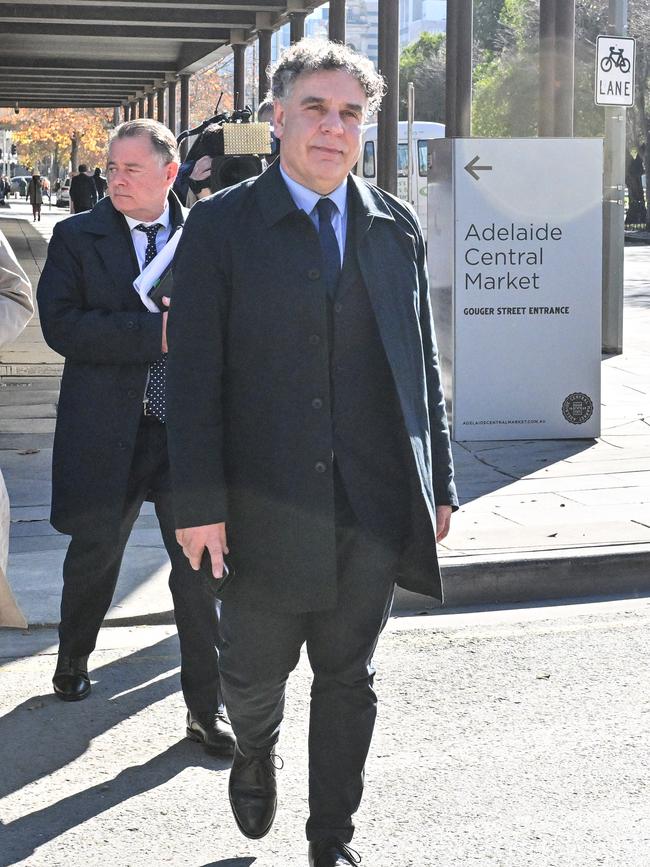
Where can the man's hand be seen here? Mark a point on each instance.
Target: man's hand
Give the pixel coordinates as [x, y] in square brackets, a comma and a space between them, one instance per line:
[443, 521]
[166, 301]
[193, 540]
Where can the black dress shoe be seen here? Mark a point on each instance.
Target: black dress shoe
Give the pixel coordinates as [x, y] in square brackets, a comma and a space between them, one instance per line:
[331, 853]
[213, 730]
[253, 794]
[71, 681]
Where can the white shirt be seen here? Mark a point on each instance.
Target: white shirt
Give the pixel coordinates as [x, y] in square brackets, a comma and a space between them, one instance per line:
[139, 237]
[307, 200]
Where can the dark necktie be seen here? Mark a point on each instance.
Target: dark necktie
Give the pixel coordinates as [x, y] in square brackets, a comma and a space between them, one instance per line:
[155, 397]
[329, 245]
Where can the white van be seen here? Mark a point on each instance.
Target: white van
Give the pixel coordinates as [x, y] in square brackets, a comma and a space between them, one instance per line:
[423, 131]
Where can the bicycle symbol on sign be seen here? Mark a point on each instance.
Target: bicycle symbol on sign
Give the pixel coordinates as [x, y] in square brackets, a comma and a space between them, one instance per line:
[616, 60]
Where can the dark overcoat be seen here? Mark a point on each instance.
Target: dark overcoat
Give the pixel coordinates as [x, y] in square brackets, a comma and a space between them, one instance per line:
[92, 316]
[248, 336]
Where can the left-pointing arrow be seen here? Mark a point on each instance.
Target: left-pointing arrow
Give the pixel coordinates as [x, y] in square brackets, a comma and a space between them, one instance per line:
[472, 168]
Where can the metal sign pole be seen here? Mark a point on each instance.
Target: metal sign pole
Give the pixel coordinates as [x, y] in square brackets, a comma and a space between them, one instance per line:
[614, 205]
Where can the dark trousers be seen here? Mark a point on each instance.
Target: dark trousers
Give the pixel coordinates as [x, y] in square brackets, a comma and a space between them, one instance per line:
[260, 648]
[92, 566]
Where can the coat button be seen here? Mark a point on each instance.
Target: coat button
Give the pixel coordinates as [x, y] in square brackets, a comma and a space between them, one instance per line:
[314, 339]
[317, 403]
[320, 467]
[132, 392]
[338, 307]
[313, 273]
[130, 324]
[121, 445]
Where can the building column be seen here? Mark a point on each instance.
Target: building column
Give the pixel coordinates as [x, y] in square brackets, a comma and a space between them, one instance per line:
[171, 106]
[264, 54]
[458, 98]
[160, 104]
[185, 110]
[150, 111]
[126, 111]
[557, 67]
[141, 107]
[239, 74]
[297, 26]
[389, 114]
[116, 116]
[336, 29]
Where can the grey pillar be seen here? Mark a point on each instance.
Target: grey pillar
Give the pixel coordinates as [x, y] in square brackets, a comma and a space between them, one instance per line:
[565, 15]
[239, 74]
[547, 53]
[264, 54]
[141, 107]
[389, 114]
[336, 28]
[297, 26]
[150, 110]
[614, 206]
[126, 111]
[160, 104]
[116, 116]
[171, 107]
[185, 110]
[458, 95]
[450, 70]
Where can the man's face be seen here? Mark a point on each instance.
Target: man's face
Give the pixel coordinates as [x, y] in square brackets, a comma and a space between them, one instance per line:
[319, 125]
[138, 180]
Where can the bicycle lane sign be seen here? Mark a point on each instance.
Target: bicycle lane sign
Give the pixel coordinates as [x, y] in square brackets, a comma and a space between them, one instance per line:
[615, 56]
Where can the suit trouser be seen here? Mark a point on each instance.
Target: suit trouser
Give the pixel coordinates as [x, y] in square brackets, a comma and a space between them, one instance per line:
[92, 566]
[260, 648]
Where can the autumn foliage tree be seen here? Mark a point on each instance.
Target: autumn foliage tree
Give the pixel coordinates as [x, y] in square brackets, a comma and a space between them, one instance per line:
[58, 136]
[205, 89]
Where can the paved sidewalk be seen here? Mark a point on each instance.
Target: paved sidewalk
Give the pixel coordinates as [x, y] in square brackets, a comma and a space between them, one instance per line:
[540, 519]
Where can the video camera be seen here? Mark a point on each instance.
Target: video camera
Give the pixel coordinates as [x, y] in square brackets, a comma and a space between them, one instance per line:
[229, 148]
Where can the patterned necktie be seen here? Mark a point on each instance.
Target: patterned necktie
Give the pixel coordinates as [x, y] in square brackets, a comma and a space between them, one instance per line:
[329, 245]
[155, 397]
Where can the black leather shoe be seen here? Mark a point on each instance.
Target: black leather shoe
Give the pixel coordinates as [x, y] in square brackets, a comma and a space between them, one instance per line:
[213, 730]
[253, 793]
[71, 681]
[332, 853]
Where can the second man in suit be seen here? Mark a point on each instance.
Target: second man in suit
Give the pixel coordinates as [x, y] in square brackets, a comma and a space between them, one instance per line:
[110, 445]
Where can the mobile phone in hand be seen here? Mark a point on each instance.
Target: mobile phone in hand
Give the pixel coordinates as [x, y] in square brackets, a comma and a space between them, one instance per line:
[214, 586]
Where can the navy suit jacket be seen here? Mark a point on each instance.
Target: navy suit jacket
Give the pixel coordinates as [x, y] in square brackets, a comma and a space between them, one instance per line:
[92, 316]
[248, 352]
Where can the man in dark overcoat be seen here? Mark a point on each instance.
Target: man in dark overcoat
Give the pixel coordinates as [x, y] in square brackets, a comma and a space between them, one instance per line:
[308, 440]
[110, 445]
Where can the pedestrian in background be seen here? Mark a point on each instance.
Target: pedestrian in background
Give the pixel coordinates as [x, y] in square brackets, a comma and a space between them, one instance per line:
[100, 183]
[34, 195]
[83, 192]
[308, 439]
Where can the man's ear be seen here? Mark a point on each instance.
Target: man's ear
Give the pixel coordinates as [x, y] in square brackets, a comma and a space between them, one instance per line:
[172, 171]
[278, 118]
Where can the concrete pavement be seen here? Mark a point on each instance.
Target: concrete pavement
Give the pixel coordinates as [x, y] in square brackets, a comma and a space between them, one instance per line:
[504, 739]
[539, 519]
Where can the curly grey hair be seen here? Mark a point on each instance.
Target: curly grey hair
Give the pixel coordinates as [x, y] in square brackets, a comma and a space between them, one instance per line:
[318, 55]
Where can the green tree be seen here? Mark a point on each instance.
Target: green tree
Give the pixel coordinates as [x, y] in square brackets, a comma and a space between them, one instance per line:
[423, 63]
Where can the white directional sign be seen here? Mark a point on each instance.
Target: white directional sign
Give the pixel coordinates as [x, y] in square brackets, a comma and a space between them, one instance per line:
[515, 252]
[615, 57]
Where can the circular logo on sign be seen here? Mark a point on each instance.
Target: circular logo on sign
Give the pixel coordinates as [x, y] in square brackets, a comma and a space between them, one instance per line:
[577, 408]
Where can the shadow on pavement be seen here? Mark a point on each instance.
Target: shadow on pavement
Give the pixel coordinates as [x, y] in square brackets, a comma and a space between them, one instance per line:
[43, 735]
[231, 862]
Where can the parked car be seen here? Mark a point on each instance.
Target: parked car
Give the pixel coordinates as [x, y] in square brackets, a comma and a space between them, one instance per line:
[19, 184]
[63, 195]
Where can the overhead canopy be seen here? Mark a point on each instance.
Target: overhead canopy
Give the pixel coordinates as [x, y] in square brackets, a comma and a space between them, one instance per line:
[91, 53]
